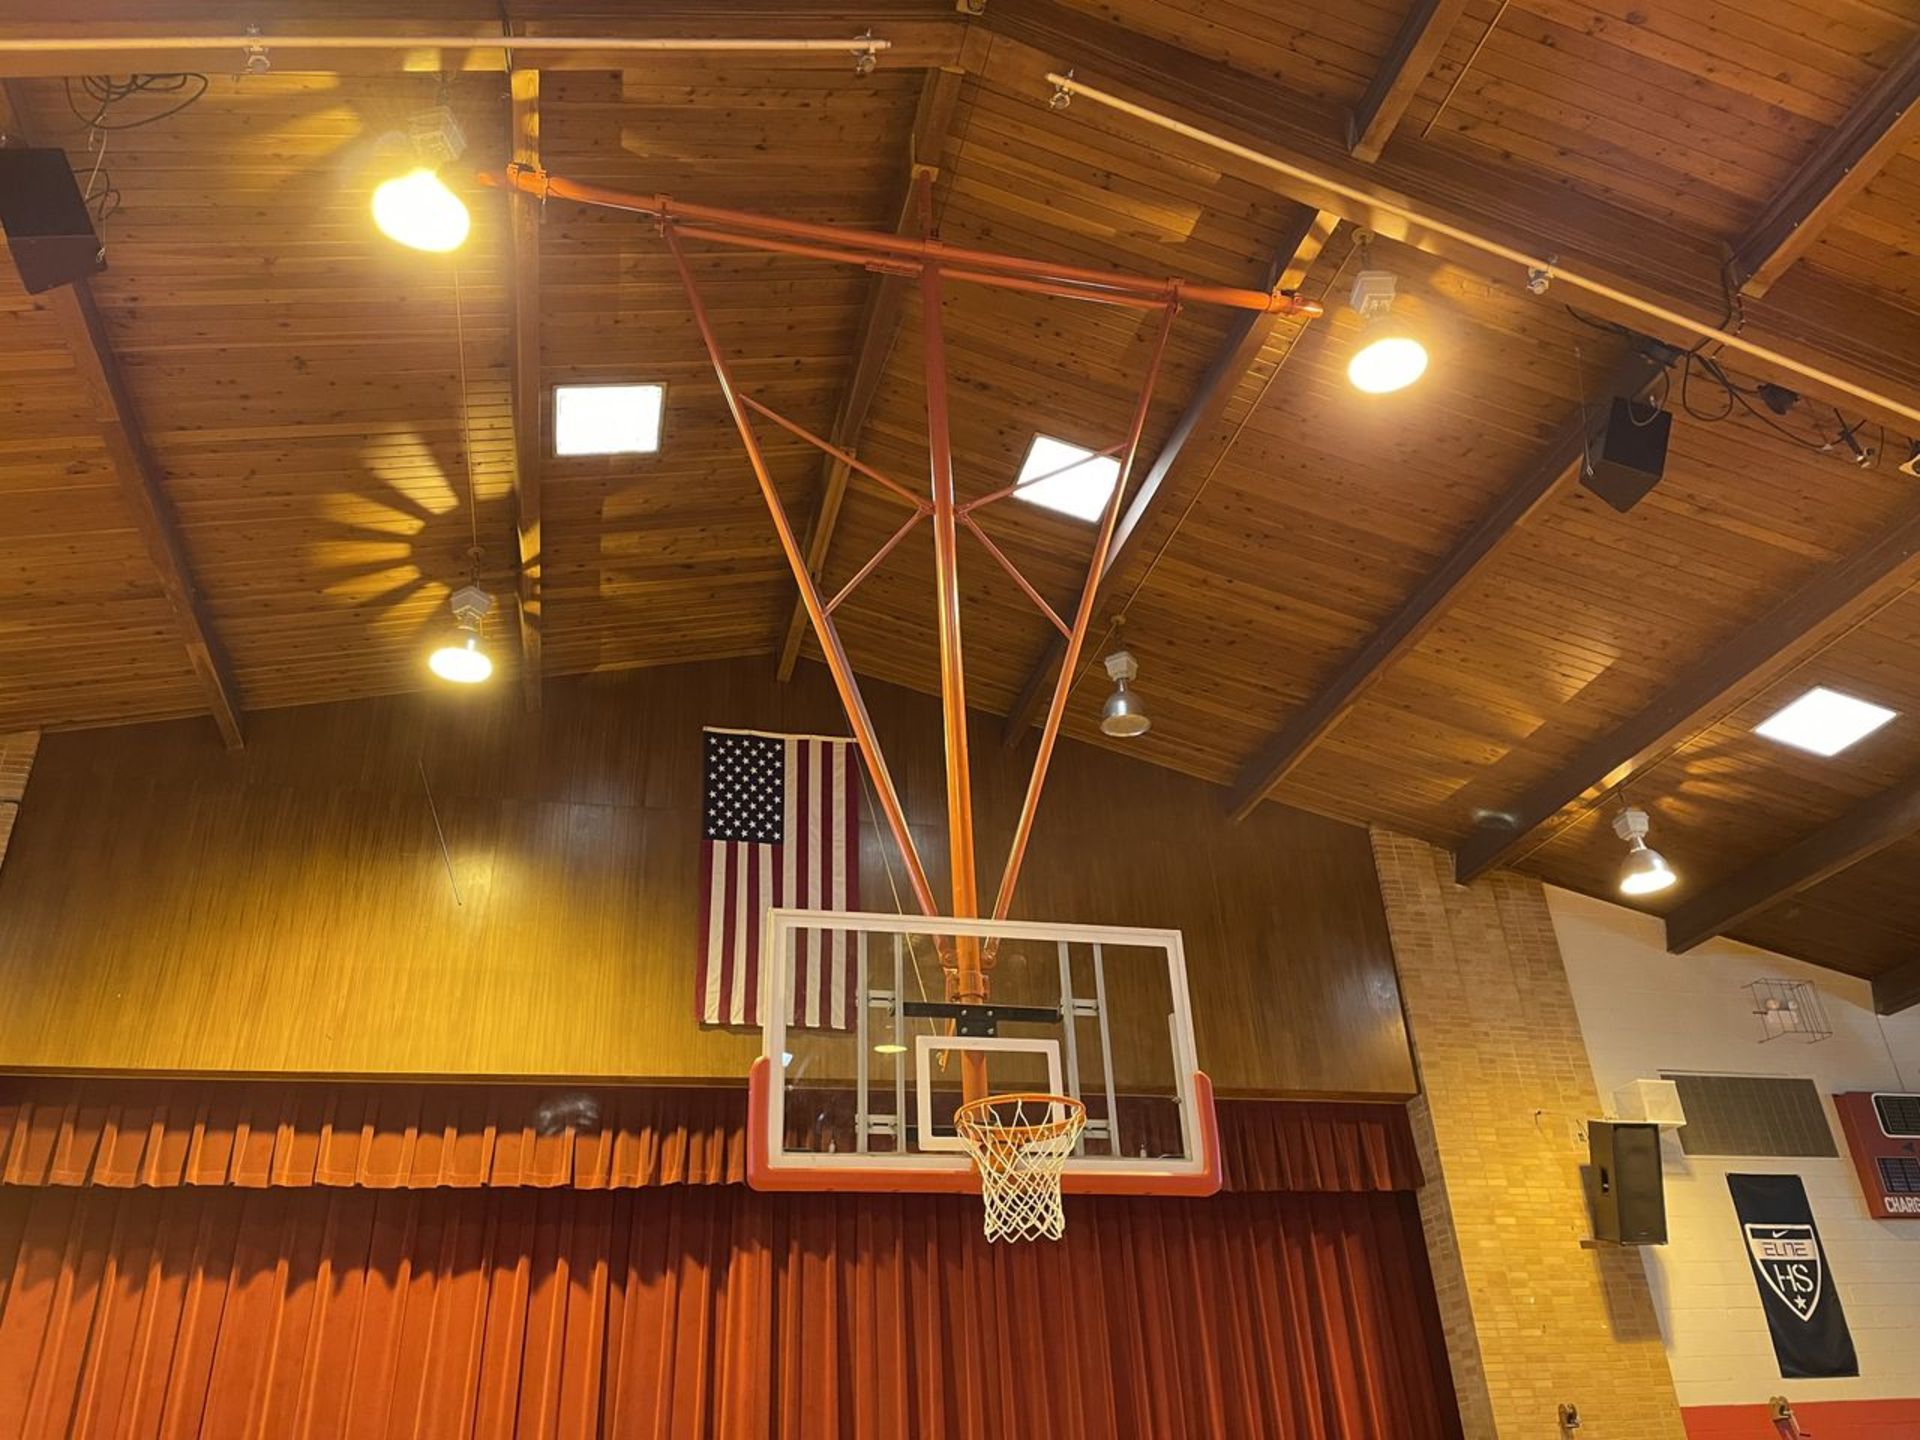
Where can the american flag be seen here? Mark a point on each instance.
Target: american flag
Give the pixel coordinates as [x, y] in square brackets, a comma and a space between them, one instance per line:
[781, 828]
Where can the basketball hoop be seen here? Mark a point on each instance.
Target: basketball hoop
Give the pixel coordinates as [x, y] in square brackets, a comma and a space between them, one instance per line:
[1020, 1144]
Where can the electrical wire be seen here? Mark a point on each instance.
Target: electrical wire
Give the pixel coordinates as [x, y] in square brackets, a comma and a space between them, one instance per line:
[466, 417]
[107, 91]
[1735, 397]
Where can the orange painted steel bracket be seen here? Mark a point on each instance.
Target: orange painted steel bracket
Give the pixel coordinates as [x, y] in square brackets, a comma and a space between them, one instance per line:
[885, 1179]
[843, 678]
[849, 245]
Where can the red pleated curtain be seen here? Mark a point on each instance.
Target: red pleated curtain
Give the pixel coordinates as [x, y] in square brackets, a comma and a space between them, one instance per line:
[254, 1293]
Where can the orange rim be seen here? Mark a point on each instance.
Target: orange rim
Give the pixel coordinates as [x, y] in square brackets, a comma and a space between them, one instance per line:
[977, 1116]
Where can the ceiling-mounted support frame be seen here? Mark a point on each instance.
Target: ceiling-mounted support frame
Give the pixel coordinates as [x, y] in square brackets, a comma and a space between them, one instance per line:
[930, 262]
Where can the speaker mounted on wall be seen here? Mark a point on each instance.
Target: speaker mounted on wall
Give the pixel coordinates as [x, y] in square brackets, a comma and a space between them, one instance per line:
[48, 227]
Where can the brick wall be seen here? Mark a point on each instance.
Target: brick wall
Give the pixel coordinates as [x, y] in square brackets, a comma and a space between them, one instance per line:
[1532, 1318]
[16, 759]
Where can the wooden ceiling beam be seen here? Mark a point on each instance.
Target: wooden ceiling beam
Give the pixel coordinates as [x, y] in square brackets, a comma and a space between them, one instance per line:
[1729, 672]
[917, 35]
[122, 433]
[1403, 630]
[124, 436]
[1841, 331]
[1897, 989]
[1247, 334]
[1866, 829]
[1407, 62]
[1884, 121]
[879, 327]
[529, 429]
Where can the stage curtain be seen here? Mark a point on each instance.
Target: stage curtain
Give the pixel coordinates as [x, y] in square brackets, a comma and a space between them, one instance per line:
[388, 1136]
[215, 1313]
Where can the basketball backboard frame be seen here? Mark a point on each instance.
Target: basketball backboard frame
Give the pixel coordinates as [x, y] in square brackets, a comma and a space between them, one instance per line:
[772, 1165]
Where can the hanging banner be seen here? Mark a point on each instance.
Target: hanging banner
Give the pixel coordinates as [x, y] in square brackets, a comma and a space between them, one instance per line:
[1810, 1337]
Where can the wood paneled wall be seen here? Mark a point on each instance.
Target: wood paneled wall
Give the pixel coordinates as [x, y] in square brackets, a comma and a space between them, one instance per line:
[288, 909]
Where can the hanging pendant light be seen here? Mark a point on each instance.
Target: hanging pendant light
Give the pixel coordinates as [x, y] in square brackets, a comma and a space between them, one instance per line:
[1123, 715]
[1390, 356]
[1645, 871]
[415, 206]
[462, 657]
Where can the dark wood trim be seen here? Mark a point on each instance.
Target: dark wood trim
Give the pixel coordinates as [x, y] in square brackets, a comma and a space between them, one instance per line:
[1729, 672]
[121, 431]
[1405, 65]
[1247, 335]
[1310, 724]
[1884, 121]
[1866, 829]
[879, 327]
[529, 432]
[1897, 989]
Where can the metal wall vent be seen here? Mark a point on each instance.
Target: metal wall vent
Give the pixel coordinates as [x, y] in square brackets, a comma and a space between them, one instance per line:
[1752, 1115]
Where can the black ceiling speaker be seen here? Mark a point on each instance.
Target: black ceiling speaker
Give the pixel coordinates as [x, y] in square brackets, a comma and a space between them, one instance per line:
[1628, 456]
[49, 230]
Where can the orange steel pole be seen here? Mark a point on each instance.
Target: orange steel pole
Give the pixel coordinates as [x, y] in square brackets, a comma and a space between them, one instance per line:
[967, 980]
[903, 247]
[836, 655]
[1082, 618]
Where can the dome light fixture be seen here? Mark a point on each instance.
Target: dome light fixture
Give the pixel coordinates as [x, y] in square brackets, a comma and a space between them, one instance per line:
[1645, 871]
[462, 657]
[415, 206]
[1123, 715]
[1390, 356]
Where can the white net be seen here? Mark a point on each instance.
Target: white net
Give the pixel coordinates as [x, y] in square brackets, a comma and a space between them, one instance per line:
[1020, 1145]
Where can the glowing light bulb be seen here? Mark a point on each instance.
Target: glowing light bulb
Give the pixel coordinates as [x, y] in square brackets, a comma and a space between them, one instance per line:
[464, 662]
[1391, 362]
[418, 210]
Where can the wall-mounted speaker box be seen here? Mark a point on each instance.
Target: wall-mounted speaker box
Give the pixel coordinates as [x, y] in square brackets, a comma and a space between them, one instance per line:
[1624, 1183]
[48, 228]
[1629, 455]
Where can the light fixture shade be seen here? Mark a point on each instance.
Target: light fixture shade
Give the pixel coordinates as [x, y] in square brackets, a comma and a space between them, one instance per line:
[1388, 359]
[462, 660]
[1644, 871]
[418, 210]
[462, 657]
[1123, 715]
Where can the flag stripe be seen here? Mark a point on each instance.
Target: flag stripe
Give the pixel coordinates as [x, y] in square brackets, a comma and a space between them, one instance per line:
[810, 786]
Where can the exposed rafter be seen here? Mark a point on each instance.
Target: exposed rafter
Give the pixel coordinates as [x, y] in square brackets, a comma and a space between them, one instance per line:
[1884, 121]
[879, 326]
[121, 431]
[1897, 989]
[529, 447]
[1866, 829]
[1713, 684]
[1308, 725]
[125, 438]
[1247, 334]
[1835, 342]
[1405, 65]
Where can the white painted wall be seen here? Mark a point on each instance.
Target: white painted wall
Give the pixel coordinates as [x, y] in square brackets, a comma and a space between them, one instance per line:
[1644, 1011]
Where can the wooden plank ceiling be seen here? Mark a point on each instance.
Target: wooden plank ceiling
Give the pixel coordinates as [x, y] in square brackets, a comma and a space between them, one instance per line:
[299, 381]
